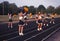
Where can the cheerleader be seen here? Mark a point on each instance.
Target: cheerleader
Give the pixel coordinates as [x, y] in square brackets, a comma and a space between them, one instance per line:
[45, 21]
[39, 22]
[21, 23]
[10, 20]
[52, 19]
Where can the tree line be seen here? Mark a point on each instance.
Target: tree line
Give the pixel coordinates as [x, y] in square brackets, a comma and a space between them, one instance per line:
[6, 7]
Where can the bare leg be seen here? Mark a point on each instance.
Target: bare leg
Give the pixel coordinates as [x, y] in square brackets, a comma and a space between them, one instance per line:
[11, 24]
[44, 24]
[19, 30]
[40, 27]
[53, 21]
[47, 24]
[8, 24]
[22, 30]
[50, 21]
[25, 22]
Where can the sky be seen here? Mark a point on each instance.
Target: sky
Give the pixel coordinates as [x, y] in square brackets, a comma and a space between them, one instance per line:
[34, 3]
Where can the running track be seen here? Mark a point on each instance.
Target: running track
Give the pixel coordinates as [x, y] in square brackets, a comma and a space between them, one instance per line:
[30, 31]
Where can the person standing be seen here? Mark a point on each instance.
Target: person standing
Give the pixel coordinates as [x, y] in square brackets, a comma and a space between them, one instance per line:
[10, 20]
[39, 22]
[52, 19]
[21, 23]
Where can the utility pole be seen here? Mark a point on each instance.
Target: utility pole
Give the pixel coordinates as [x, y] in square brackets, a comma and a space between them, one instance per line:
[3, 8]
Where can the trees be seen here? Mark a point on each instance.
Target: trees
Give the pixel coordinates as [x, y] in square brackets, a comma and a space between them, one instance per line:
[50, 9]
[57, 10]
[6, 7]
[53, 10]
[41, 9]
[32, 10]
[13, 9]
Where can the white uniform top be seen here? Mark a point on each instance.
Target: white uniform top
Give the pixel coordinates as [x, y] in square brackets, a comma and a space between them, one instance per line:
[36, 15]
[39, 17]
[25, 16]
[10, 17]
[20, 18]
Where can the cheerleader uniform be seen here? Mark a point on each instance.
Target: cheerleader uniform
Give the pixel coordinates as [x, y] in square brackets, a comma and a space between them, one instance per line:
[10, 18]
[25, 17]
[39, 23]
[20, 20]
[39, 19]
[52, 19]
[21, 23]
[36, 16]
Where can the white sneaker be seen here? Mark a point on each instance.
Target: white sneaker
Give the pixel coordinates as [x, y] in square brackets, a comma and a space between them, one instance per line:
[36, 21]
[47, 24]
[53, 22]
[44, 24]
[38, 29]
[8, 26]
[50, 21]
[26, 24]
[22, 34]
[11, 27]
[19, 33]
